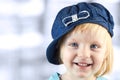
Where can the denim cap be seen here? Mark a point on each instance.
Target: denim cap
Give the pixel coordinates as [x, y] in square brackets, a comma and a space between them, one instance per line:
[71, 16]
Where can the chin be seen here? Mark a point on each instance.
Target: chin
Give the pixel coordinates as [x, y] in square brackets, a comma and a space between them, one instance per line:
[84, 75]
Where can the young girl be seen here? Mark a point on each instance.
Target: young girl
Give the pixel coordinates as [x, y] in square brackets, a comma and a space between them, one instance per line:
[82, 42]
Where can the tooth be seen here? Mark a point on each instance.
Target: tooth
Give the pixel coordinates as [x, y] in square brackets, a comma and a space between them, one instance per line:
[82, 64]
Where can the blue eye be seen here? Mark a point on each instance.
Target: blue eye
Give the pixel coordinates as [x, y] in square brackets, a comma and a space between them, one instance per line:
[94, 46]
[74, 45]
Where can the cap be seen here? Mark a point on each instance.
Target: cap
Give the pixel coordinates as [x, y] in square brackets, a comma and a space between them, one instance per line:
[71, 16]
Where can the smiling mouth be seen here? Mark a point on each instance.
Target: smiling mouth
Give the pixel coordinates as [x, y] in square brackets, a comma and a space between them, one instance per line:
[83, 64]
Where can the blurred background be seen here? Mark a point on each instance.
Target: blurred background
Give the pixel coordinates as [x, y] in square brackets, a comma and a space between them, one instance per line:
[25, 27]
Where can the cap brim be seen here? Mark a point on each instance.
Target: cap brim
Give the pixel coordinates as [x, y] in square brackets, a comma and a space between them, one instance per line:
[51, 52]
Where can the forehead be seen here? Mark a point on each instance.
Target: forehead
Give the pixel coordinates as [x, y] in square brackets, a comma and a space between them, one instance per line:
[89, 31]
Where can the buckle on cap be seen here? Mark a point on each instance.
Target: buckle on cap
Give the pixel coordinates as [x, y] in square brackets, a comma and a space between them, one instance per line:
[73, 18]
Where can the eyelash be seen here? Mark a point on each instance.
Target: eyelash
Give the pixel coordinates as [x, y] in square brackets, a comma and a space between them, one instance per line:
[74, 45]
[94, 46]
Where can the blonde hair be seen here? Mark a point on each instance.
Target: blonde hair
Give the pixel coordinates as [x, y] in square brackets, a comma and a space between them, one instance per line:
[101, 31]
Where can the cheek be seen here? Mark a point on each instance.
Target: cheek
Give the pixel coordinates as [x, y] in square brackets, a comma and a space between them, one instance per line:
[100, 56]
[98, 60]
[66, 56]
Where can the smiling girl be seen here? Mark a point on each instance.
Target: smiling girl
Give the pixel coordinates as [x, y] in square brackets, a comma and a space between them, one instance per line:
[82, 42]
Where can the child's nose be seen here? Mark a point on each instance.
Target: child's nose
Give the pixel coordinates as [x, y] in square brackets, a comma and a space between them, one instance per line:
[84, 52]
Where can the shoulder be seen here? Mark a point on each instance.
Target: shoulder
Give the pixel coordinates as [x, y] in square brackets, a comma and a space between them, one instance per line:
[101, 78]
[55, 76]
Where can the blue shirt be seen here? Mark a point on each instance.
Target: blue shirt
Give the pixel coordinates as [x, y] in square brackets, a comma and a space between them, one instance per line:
[56, 77]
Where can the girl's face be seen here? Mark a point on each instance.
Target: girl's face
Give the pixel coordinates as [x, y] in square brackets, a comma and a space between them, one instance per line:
[82, 53]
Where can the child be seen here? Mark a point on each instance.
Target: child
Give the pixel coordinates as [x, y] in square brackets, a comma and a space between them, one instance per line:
[82, 42]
